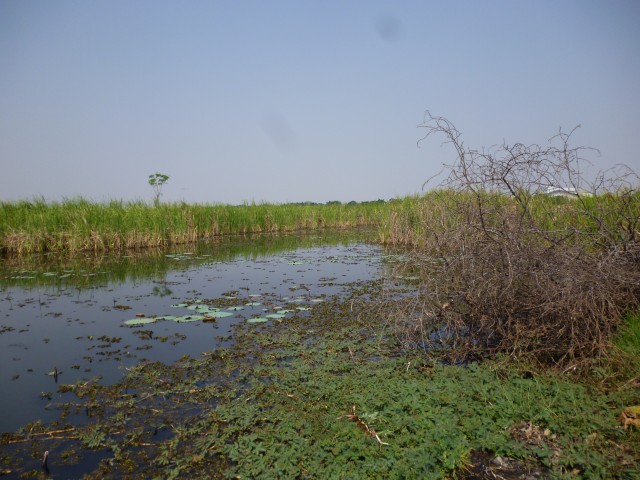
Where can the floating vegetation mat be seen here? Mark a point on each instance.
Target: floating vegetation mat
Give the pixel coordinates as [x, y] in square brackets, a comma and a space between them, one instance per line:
[326, 393]
[243, 310]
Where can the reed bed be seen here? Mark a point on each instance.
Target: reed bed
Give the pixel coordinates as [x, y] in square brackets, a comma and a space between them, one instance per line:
[79, 225]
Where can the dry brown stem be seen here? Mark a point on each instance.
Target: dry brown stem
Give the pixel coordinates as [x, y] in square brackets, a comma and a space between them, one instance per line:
[518, 270]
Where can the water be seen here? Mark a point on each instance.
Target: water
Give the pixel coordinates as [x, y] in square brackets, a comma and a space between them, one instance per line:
[67, 315]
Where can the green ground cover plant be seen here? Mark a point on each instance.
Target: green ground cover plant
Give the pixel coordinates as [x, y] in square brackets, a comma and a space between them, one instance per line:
[326, 395]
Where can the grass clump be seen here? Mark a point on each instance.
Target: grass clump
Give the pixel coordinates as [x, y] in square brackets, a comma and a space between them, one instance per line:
[628, 338]
[620, 369]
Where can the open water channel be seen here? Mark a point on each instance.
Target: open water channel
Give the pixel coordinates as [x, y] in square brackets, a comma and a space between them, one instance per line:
[64, 320]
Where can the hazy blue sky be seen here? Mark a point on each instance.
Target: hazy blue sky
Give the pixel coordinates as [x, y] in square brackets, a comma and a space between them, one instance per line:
[299, 100]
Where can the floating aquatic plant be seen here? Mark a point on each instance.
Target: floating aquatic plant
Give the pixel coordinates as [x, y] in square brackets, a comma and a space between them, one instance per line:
[140, 321]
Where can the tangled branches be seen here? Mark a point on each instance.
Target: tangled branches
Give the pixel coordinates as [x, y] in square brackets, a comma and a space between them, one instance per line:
[509, 268]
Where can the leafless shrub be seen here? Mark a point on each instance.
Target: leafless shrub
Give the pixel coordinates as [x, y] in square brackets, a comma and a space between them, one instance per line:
[506, 268]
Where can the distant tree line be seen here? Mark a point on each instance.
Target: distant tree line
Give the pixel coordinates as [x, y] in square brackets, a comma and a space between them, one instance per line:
[338, 202]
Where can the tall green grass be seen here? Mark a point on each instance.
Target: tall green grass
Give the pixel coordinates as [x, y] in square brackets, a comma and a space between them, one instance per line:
[628, 338]
[609, 220]
[80, 225]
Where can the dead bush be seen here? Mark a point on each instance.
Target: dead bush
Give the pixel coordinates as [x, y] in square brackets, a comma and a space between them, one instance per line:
[507, 268]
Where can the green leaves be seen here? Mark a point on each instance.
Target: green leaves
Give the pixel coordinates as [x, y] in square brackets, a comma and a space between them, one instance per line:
[93, 436]
[140, 321]
[157, 180]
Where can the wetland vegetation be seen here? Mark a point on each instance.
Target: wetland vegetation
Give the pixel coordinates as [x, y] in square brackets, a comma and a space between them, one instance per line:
[496, 335]
[324, 393]
[78, 225]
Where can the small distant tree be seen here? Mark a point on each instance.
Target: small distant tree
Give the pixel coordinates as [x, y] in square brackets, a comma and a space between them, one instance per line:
[157, 181]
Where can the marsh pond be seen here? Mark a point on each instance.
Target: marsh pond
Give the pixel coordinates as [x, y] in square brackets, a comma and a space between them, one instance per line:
[75, 319]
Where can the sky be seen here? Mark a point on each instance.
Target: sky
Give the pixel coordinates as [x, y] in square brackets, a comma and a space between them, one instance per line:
[293, 101]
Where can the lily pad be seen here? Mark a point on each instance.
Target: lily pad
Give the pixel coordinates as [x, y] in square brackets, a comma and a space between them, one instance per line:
[275, 315]
[253, 304]
[235, 309]
[218, 314]
[140, 321]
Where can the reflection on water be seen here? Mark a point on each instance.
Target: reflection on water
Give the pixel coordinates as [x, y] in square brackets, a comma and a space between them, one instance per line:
[88, 270]
[62, 320]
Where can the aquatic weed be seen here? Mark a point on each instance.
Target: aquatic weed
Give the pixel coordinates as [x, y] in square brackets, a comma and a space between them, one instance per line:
[325, 396]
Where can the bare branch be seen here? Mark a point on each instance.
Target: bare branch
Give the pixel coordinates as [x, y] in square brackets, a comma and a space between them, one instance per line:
[522, 270]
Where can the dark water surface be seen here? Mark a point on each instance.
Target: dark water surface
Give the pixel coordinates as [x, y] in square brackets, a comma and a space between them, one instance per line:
[68, 314]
